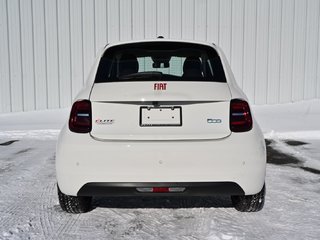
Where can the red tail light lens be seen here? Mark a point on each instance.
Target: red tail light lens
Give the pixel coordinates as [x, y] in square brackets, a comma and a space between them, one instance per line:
[160, 189]
[240, 116]
[80, 117]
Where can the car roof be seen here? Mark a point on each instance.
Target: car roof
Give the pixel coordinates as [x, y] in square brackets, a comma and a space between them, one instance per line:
[160, 40]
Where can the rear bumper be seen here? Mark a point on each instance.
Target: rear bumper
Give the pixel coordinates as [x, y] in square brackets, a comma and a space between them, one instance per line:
[82, 161]
[130, 189]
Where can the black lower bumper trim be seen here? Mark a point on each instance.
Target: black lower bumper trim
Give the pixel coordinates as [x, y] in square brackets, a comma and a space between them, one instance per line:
[117, 189]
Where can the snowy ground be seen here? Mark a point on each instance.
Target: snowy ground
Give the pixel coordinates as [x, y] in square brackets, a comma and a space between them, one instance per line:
[29, 206]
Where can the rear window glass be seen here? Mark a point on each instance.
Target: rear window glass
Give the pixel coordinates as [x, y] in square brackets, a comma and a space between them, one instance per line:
[167, 61]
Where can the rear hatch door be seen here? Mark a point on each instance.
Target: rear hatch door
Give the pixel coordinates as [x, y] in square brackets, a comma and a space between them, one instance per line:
[160, 110]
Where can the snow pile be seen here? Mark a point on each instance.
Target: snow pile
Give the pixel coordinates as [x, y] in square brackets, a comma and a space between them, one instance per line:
[298, 135]
[35, 120]
[308, 153]
[293, 121]
[33, 134]
[33, 125]
[289, 118]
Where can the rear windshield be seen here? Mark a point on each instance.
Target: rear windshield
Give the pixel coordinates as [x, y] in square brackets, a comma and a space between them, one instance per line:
[167, 61]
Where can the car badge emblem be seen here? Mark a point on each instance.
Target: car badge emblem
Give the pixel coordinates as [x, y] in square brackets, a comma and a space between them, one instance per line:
[104, 121]
[159, 86]
[214, 120]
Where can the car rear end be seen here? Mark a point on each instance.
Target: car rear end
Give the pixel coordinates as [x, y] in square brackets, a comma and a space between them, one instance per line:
[161, 119]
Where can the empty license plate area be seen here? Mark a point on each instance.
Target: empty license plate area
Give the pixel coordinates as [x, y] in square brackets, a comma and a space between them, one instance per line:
[160, 116]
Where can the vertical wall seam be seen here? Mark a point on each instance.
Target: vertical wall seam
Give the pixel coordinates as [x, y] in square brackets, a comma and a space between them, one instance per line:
[58, 55]
[280, 55]
[70, 52]
[305, 52]
[169, 19]
[21, 62]
[45, 51]
[316, 70]
[293, 52]
[94, 30]
[243, 42]
[206, 29]
[131, 19]
[268, 55]
[120, 4]
[156, 18]
[107, 22]
[219, 23]
[255, 54]
[181, 18]
[231, 33]
[82, 47]
[194, 20]
[144, 18]
[119, 20]
[9, 56]
[33, 59]
[291, 60]
[318, 59]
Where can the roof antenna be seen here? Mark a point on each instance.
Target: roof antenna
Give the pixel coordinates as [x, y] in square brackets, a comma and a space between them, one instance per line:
[160, 37]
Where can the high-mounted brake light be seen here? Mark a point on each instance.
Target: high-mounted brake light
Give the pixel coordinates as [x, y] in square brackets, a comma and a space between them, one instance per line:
[240, 116]
[80, 117]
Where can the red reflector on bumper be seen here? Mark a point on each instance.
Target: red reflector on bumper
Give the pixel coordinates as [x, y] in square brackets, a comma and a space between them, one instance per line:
[160, 189]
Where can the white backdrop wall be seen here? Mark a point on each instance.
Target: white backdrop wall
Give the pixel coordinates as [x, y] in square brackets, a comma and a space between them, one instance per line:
[48, 46]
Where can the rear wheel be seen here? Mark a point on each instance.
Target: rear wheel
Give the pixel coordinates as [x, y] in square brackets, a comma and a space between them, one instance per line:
[249, 203]
[74, 204]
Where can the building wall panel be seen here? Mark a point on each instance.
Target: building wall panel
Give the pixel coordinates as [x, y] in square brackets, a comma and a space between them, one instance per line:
[47, 47]
[5, 86]
[27, 56]
[299, 50]
[15, 60]
[64, 52]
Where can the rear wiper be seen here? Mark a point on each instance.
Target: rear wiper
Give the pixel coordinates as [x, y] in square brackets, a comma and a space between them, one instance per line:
[142, 75]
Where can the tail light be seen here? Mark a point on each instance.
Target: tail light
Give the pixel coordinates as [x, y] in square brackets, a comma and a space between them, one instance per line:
[240, 116]
[80, 117]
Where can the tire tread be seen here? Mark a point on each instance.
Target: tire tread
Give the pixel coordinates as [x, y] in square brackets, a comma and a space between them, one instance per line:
[74, 204]
[250, 203]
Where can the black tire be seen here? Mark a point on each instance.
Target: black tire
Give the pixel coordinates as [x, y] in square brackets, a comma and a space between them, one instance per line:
[249, 203]
[74, 204]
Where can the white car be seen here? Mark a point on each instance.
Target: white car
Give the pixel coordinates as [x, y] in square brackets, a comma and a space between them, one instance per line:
[161, 118]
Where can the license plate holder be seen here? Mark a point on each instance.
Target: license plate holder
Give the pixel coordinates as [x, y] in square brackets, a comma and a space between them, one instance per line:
[160, 116]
